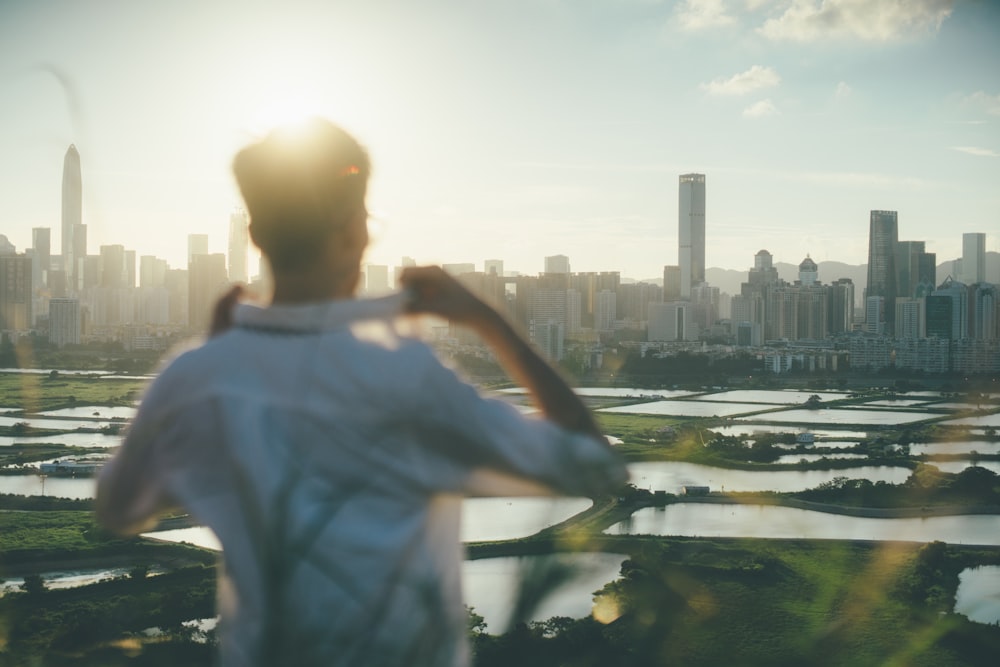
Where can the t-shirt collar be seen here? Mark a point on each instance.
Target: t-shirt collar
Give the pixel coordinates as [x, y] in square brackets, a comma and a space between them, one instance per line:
[318, 316]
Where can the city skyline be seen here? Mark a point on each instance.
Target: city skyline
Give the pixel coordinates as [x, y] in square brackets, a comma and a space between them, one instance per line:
[804, 116]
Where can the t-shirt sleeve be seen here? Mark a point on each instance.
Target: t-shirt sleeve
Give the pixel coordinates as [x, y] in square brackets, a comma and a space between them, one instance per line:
[488, 434]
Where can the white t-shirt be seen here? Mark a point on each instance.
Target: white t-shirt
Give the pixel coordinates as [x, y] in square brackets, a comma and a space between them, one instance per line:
[329, 454]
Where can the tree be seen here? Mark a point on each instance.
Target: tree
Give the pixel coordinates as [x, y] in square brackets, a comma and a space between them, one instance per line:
[33, 584]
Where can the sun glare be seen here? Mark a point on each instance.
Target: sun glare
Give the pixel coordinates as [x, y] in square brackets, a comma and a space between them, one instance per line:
[285, 111]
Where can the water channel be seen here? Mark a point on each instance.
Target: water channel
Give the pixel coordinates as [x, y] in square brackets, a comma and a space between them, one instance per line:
[978, 595]
[761, 521]
[491, 583]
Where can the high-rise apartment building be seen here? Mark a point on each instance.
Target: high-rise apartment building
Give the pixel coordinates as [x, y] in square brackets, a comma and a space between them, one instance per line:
[197, 245]
[239, 246]
[41, 245]
[557, 264]
[671, 282]
[64, 322]
[78, 256]
[911, 318]
[376, 279]
[207, 281]
[493, 266]
[808, 272]
[841, 318]
[670, 322]
[984, 312]
[15, 293]
[691, 231]
[958, 294]
[72, 208]
[605, 310]
[973, 269]
[113, 271]
[883, 235]
[459, 268]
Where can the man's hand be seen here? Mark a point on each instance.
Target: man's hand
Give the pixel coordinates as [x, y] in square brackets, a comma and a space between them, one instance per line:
[435, 292]
[222, 314]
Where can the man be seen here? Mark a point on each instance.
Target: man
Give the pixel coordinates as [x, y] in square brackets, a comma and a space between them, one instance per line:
[326, 451]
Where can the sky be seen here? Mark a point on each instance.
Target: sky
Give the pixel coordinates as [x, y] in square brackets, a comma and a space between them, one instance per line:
[519, 129]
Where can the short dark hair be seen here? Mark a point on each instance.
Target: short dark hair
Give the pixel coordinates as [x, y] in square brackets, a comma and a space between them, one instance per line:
[300, 185]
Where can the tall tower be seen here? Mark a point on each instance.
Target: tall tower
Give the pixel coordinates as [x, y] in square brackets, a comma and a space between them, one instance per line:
[239, 245]
[691, 231]
[72, 208]
[973, 258]
[883, 235]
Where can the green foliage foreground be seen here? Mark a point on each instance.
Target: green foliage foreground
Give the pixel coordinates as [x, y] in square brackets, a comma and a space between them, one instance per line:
[678, 602]
[761, 602]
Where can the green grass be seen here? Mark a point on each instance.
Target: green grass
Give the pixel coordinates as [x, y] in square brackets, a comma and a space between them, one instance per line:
[34, 393]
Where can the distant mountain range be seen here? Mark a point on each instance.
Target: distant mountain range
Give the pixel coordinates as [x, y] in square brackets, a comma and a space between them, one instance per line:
[729, 280]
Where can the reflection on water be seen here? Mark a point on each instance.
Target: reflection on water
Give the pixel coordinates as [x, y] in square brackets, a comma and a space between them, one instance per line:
[51, 424]
[978, 596]
[775, 396]
[483, 519]
[984, 420]
[669, 476]
[614, 392]
[957, 447]
[955, 467]
[750, 429]
[721, 520]
[795, 458]
[69, 578]
[76, 488]
[69, 439]
[199, 536]
[491, 585]
[846, 416]
[688, 408]
[93, 412]
[509, 518]
[896, 403]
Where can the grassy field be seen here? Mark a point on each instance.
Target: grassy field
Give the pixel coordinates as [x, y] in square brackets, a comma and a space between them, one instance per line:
[34, 393]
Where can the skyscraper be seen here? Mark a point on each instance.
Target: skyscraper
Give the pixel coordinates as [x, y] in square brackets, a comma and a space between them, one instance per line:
[557, 264]
[15, 293]
[973, 258]
[239, 245]
[206, 282]
[197, 245]
[72, 207]
[41, 244]
[493, 266]
[691, 231]
[883, 235]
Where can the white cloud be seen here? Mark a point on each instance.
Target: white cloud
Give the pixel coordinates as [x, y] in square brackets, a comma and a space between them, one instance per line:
[701, 14]
[760, 109]
[982, 99]
[843, 91]
[745, 82]
[870, 20]
[975, 150]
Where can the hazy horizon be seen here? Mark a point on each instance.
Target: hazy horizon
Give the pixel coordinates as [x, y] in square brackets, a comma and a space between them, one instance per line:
[523, 129]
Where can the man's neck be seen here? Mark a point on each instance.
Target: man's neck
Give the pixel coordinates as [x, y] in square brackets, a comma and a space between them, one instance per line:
[311, 286]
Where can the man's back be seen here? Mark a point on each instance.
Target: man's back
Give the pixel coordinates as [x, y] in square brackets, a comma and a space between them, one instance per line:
[328, 461]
